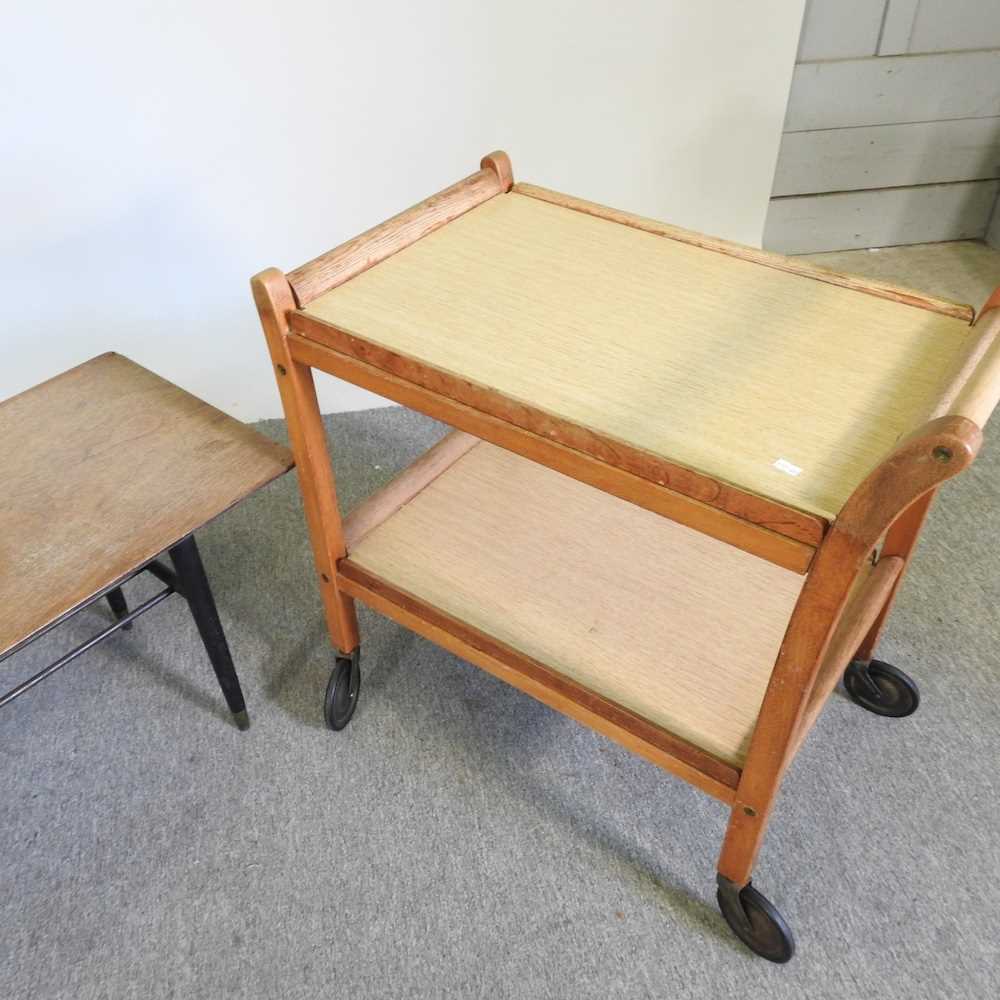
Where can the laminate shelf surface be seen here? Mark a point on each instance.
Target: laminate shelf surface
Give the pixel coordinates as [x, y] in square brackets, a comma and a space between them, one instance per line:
[676, 626]
[779, 384]
[105, 466]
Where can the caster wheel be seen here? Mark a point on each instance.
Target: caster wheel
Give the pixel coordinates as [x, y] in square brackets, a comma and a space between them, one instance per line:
[754, 919]
[881, 688]
[342, 691]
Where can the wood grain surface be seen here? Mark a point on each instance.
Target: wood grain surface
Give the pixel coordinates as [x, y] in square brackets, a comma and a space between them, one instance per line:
[674, 626]
[274, 300]
[105, 466]
[398, 492]
[974, 390]
[348, 260]
[767, 382]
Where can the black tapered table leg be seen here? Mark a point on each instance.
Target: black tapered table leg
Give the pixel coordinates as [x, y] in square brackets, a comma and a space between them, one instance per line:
[119, 606]
[193, 585]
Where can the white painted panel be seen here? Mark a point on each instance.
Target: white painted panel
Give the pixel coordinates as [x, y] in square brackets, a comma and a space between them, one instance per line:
[848, 221]
[876, 156]
[884, 91]
[943, 25]
[899, 18]
[993, 230]
[840, 29]
[155, 155]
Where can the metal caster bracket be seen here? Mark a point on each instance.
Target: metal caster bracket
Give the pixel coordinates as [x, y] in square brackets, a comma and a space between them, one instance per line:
[755, 920]
[342, 690]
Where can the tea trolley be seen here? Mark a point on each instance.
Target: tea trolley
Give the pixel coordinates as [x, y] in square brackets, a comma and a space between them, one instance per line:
[684, 483]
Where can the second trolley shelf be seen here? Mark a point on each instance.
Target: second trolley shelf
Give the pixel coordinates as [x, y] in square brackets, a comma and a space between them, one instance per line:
[656, 631]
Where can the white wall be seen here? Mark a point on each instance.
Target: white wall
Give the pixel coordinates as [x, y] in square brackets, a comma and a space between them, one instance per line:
[893, 126]
[158, 154]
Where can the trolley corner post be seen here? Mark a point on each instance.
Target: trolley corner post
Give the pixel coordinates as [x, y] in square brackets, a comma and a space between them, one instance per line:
[273, 297]
[975, 398]
[896, 492]
[277, 295]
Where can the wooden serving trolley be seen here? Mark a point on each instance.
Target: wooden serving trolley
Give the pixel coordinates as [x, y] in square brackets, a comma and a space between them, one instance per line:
[685, 482]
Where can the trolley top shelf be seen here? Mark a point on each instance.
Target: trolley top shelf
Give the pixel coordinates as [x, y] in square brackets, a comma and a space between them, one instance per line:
[654, 353]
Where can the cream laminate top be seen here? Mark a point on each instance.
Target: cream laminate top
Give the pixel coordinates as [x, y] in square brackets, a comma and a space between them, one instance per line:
[779, 384]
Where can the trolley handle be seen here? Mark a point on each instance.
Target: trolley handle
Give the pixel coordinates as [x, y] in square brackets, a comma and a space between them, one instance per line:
[975, 390]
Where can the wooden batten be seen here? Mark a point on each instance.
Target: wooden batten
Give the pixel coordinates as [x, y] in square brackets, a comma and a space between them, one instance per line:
[767, 544]
[880, 289]
[974, 389]
[351, 258]
[630, 730]
[978, 397]
[401, 490]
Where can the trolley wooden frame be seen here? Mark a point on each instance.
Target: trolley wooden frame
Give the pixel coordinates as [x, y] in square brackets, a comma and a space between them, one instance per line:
[852, 563]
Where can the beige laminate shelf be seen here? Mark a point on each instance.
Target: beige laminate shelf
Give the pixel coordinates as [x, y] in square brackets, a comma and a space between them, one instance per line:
[780, 384]
[674, 625]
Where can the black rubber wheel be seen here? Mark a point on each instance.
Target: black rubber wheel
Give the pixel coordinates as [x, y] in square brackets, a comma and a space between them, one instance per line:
[760, 926]
[342, 692]
[881, 688]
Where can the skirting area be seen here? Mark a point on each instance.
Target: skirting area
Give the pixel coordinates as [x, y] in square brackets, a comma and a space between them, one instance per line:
[459, 839]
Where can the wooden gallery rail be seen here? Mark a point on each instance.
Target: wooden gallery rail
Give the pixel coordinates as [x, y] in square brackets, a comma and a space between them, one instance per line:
[642, 469]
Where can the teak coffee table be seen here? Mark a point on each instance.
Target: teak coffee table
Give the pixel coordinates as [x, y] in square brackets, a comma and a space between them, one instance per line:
[686, 478]
[107, 467]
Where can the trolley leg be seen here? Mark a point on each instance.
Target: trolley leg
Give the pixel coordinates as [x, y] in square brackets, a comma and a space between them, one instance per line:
[900, 540]
[752, 917]
[315, 472]
[876, 686]
[119, 606]
[273, 297]
[195, 588]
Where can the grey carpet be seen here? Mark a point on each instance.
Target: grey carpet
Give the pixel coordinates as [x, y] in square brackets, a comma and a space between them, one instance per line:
[458, 839]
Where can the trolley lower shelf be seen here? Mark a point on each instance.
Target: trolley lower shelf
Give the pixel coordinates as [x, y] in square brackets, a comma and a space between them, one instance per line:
[674, 626]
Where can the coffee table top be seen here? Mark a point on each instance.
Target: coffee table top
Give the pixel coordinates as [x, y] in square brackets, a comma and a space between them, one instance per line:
[105, 466]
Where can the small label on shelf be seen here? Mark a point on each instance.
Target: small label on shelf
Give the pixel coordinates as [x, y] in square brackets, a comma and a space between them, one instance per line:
[783, 465]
